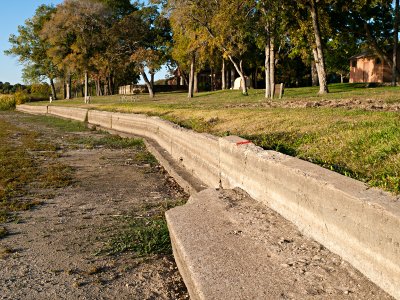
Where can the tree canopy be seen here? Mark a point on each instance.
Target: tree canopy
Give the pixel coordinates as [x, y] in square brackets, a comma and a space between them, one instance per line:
[111, 43]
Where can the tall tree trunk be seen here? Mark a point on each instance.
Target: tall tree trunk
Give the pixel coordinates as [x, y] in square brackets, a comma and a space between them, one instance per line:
[191, 77]
[152, 73]
[317, 66]
[212, 79]
[314, 73]
[53, 89]
[396, 41]
[267, 73]
[232, 78]
[228, 78]
[65, 89]
[86, 96]
[239, 69]
[323, 85]
[255, 78]
[68, 87]
[110, 84]
[147, 82]
[272, 65]
[223, 81]
[98, 87]
[195, 83]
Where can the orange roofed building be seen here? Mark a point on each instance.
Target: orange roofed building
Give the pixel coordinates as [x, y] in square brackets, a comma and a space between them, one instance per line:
[368, 67]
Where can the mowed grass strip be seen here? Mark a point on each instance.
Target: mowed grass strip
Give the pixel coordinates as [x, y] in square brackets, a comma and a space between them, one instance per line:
[361, 144]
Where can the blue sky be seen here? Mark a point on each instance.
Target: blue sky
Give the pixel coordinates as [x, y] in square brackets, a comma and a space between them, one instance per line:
[12, 14]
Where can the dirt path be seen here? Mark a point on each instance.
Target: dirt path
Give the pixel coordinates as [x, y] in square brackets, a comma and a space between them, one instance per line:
[54, 247]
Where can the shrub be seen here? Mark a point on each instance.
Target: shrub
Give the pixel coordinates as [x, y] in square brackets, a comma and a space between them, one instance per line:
[21, 97]
[42, 89]
[7, 102]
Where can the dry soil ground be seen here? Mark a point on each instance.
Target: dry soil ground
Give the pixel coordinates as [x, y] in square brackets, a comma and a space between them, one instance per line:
[54, 246]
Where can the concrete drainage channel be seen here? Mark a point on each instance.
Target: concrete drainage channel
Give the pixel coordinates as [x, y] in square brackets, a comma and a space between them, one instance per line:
[359, 224]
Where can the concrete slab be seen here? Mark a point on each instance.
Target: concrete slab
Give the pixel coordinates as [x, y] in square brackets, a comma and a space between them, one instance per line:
[228, 246]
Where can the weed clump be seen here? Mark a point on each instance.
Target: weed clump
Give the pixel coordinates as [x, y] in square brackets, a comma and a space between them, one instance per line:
[143, 236]
[145, 231]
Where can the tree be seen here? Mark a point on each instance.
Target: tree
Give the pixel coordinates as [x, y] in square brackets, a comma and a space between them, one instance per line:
[310, 44]
[220, 24]
[76, 33]
[119, 8]
[31, 49]
[340, 48]
[149, 58]
[231, 30]
[318, 51]
[272, 21]
[370, 22]
[140, 39]
[189, 41]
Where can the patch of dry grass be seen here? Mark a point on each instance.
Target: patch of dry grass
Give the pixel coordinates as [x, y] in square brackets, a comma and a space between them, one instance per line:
[20, 170]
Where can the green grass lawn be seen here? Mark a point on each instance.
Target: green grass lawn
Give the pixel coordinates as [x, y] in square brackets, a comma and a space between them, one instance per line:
[361, 144]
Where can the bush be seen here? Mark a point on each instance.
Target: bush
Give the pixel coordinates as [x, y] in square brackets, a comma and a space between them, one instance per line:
[7, 102]
[21, 97]
[42, 89]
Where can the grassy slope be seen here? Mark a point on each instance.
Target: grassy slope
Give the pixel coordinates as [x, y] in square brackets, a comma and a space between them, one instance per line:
[361, 144]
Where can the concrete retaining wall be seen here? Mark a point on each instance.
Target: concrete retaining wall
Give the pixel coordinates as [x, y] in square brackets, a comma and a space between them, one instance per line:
[360, 224]
[100, 118]
[38, 110]
[78, 114]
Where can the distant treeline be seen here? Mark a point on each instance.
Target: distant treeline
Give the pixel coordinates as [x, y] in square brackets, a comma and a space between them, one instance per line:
[8, 88]
[38, 91]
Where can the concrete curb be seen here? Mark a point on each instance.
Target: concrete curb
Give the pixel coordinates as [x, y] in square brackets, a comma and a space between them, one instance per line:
[36, 110]
[359, 224]
[77, 114]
